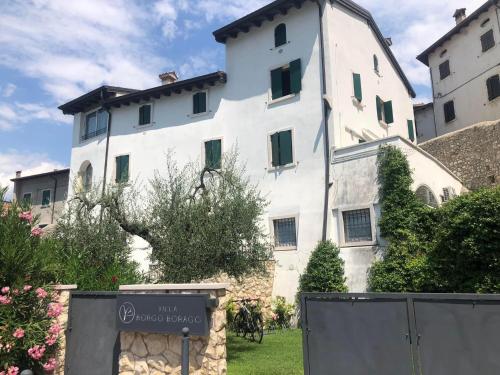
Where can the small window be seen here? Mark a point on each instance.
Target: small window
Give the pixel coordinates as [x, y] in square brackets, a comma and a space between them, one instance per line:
[286, 80]
[448, 193]
[145, 114]
[285, 233]
[375, 64]
[280, 35]
[411, 131]
[213, 154]
[122, 166]
[87, 178]
[96, 124]
[281, 147]
[45, 198]
[449, 111]
[199, 102]
[27, 198]
[485, 22]
[443, 52]
[384, 111]
[493, 85]
[444, 69]
[426, 196]
[358, 94]
[487, 40]
[357, 225]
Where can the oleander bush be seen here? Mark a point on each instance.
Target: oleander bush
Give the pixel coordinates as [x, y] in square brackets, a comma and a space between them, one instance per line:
[282, 313]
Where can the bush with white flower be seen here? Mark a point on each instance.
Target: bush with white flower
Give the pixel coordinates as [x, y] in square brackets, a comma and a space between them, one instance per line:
[29, 331]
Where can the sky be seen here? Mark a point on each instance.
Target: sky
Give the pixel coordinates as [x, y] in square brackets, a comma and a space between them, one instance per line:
[53, 51]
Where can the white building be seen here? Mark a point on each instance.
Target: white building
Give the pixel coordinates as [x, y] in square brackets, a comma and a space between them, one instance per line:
[305, 85]
[465, 68]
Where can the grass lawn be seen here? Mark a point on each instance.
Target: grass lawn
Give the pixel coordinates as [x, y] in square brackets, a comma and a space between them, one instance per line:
[279, 354]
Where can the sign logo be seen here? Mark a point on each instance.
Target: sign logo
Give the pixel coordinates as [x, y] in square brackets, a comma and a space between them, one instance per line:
[126, 313]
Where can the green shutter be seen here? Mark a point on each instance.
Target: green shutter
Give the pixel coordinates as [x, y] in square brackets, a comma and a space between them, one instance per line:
[380, 105]
[147, 114]
[213, 154]
[275, 149]
[280, 35]
[141, 115]
[285, 147]
[202, 102]
[356, 78]
[388, 115]
[276, 84]
[45, 197]
[411, 133]
[196, 104]
[295, 76]
[122, 168]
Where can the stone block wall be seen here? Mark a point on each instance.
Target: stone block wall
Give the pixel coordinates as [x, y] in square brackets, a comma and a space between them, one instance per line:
[473, 153]
[155, 354]
[62, 320]
[255, 286]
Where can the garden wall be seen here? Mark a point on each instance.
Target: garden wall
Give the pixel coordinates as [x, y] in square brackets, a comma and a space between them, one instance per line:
[473, 153]
[158, 354]
[62, 319]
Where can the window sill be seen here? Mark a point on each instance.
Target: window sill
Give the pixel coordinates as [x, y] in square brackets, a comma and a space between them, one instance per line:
[194, 115]
[282, 99]
[45, 206]
[280, 46]
[450, 122]
[285, 248]
[138, 126]
[282, 167]
[359, 244]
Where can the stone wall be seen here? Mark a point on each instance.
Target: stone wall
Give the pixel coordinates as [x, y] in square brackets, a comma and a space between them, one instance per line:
[158, 354]
[62, 320]
[255, 287]
[473, 153]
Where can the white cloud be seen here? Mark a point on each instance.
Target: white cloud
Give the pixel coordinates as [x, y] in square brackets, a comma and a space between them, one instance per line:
[8, 90]
[199, 64]
[14, 114]
[29, 163]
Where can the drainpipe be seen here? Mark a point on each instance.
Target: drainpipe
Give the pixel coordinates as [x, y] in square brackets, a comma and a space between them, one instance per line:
[108, 133]
[433, 103]
[325, 111]
[495, 2]
[53, 200]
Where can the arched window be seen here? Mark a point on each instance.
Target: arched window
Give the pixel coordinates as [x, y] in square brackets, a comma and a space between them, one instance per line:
[375, 63]
[426, 195]
[280, 35]
[87, 178]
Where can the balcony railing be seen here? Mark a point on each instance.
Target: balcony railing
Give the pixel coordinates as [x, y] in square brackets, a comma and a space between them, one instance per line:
[93, 134]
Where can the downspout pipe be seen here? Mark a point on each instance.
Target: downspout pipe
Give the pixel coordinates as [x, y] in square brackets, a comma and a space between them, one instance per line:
[108, 133]
[53, 200]
[325, 111]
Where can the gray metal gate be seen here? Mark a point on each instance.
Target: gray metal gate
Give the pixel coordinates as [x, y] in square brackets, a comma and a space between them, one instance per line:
[421, 334]
[93, 342]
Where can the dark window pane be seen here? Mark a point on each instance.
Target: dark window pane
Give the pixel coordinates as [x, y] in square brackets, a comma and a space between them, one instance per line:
[357, 225]
[122, 163]
[285, 234]
[276, 83]
[280, 35]
[487, 40]
[91, 125]
[375, 63]
[411, 133]
[449, 111]
[493, 84]
[45, 197]
[102, 121]
[275, 148]
[444, 69]
[27, 198]
[285, 81]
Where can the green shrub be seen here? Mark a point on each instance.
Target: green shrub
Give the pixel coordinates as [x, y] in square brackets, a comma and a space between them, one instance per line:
[324, 271]
[282, 313]
[231, 311]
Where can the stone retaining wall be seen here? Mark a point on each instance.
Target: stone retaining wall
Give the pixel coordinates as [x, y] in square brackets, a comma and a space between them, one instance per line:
[473, 153]
[158, 354]
[62, 320]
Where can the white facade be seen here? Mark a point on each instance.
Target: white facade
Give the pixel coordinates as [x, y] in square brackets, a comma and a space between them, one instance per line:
[470, 68]
[425, 126]
[242, 114]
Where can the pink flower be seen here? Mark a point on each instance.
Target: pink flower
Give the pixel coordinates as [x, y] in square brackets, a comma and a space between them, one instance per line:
[55, 329]
[26, 216]
[18, 333]
[36, 352]
[41, 293]
[54, 310]
[4, 300]
[50, 365]
[5, 290]
[36, 232]
[2, 372]
[15, 291]
[12, 370]
[50, 340]
[27, 288]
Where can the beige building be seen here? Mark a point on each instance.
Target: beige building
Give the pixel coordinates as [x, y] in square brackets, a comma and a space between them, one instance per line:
[465, 68]
[47, 193]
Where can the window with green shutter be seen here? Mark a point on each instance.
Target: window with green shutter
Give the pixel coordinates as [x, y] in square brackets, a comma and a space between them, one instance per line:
[199, 102]
[375, 64]
[213, 154]
[122, 165]
[45, 198]
[145, 114]
[449, 111]
[280, 35]
[411, 132]
[356, 78]
[380, 108]
[281, 146]
[487, 40]
[286, 80]
[493, 85]
[388, 115]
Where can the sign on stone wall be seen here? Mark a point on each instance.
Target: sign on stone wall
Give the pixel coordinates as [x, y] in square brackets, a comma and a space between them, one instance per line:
[163, 313]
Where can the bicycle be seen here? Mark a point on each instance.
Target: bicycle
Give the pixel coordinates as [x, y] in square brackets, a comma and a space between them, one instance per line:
[248, 320]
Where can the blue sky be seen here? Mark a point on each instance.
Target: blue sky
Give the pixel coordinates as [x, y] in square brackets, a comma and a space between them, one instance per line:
[54, 50]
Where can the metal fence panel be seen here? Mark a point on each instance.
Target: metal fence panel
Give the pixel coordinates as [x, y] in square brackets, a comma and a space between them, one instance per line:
[93, 342]
[357, 337]
[458, 337]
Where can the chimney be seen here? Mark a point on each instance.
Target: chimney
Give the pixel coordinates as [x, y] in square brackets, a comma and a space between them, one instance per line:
[459, 15]
[388, 41]
[168, 78]
[18, 174]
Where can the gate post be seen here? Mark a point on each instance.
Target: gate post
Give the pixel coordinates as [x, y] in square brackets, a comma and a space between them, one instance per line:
[185, 351]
